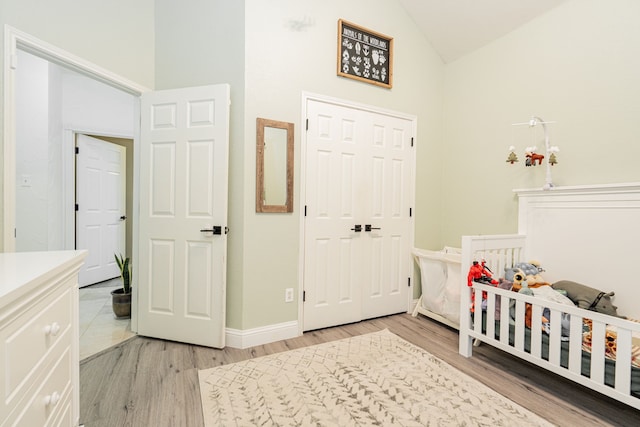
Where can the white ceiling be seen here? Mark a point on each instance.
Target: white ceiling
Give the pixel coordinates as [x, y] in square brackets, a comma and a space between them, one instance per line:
[457, 27]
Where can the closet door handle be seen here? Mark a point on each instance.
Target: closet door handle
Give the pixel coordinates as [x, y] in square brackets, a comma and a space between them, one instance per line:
[357, 228]
[368, 227]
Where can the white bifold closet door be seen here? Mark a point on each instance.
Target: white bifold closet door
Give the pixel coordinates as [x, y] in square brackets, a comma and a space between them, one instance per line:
[358, 222]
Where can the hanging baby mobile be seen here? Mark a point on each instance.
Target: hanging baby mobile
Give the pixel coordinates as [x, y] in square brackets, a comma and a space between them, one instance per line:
[532, 156]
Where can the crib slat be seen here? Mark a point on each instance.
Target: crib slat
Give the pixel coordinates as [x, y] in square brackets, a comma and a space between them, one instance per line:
[504, 320]
[623, 361]
[477, 319]
[597, 351]
[575, 344]
[520, 326]
[491, 311]
[555, 337]
[536, 331]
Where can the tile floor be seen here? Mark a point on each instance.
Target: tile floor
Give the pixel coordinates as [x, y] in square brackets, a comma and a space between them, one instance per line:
[99, 328]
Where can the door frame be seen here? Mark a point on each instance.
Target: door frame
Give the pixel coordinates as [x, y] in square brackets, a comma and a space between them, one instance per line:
[13, 40]
[309, 96]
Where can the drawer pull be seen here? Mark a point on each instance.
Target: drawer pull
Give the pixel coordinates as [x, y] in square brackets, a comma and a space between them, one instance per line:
[52, 399]
[52, 329]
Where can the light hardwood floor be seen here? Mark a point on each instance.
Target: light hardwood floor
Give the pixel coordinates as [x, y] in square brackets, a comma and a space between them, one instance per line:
[148, 382]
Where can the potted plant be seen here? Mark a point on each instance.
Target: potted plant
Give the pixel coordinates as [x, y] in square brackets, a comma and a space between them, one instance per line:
[121, 297]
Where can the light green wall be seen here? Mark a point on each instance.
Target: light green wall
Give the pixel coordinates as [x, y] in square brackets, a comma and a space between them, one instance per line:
[577, 65]
[202, 42]
[291, 48]
[117, 35]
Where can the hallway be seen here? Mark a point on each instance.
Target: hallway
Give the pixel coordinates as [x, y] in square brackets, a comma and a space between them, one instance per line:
[99, 328]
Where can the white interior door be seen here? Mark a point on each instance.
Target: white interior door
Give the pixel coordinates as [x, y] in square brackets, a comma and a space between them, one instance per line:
[183, 214]
[388, 189]
[334, 217]
[100, 213]
[358, 224]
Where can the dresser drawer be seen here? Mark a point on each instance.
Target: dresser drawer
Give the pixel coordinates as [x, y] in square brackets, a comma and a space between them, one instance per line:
[28, 340]
[47, 402]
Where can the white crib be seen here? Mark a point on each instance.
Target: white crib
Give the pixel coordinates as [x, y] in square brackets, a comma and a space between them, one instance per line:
[585, 234]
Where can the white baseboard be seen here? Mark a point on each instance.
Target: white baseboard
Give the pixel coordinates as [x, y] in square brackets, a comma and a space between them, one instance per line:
[237, 338]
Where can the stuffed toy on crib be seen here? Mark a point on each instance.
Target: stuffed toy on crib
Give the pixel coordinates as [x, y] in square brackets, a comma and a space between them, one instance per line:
[480, 273]
[526, 279]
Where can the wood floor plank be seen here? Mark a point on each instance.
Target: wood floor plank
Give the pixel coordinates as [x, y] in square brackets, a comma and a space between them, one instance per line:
[145, 382]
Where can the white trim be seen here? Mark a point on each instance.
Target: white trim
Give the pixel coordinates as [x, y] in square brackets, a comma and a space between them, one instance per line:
[59, 56]
[625, 187]
[236, 338]
[14, 39]
[309, 96]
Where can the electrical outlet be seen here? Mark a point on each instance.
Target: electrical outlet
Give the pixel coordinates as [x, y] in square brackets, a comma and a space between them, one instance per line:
[288, 295]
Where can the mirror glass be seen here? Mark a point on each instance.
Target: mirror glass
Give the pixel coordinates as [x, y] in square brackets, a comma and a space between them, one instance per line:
[274, 166]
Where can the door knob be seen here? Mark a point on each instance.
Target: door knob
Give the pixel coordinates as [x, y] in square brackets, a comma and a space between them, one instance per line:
[368, 227]
[216, 229]
[357, 228]
[123, 217]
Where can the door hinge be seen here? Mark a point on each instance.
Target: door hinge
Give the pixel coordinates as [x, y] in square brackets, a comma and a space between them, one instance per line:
[15, 232]
[412, 141]
[305, 210]
[304, 296]
[410, 212]
[77, 207]
[77, 150]
[409, 281]
[307, 124]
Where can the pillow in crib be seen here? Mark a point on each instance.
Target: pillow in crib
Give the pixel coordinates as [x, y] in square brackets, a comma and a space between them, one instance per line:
[587, 297]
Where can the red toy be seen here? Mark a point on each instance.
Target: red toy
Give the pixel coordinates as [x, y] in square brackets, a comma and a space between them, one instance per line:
[479, 272]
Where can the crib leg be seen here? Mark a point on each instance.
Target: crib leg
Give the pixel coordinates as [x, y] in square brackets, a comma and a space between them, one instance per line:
[464, 345]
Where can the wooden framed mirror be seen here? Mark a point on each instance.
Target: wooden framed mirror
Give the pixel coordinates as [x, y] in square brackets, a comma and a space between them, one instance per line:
[274, 166]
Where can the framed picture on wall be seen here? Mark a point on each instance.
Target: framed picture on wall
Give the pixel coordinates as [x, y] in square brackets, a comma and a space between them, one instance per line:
[364, 55]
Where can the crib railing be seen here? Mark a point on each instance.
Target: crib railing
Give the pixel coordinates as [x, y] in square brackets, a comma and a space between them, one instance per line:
[512, 335]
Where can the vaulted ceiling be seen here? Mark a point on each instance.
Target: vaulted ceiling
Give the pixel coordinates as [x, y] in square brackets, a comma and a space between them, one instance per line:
[458, 27]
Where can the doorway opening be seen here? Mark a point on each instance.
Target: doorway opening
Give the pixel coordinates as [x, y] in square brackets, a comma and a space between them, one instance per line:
[56, 70]
[70, 96]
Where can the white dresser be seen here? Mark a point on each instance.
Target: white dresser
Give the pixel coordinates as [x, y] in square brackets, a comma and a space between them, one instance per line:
[39, 356]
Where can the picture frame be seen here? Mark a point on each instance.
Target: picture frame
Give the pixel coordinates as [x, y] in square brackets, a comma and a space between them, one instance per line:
[364, 55]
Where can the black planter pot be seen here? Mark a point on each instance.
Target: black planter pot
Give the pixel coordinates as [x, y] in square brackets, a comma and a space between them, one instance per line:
[121, 303]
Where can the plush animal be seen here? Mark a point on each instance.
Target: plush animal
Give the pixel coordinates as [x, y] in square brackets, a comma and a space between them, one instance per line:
[517, 278]
[610, 343]
[532, 271]
[527, 280]
[588, 298]
[532, 158]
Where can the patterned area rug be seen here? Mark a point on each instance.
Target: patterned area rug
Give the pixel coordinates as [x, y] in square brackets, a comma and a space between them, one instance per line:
[373, 379]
